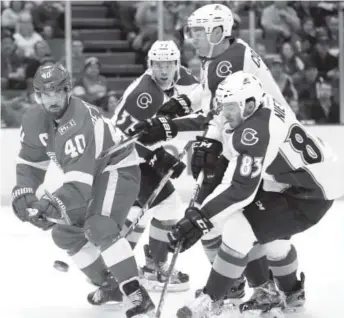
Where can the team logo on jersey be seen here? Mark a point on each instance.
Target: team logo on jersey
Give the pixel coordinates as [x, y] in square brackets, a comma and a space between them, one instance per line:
[64, 128]
[144, 100]
[249, 137]
[224, 69]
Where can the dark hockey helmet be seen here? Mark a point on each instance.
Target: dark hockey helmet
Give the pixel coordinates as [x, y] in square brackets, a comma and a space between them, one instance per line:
[52, 86]
[52, 77]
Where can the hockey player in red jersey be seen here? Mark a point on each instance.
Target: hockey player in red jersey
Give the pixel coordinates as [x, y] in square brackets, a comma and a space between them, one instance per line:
[210, 28]
[276, 185]
[96, 194]
[164, 79]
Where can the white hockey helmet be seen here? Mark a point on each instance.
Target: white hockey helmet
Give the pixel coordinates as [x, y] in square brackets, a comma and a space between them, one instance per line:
[240, 87]
[211, 16]
[163, 51]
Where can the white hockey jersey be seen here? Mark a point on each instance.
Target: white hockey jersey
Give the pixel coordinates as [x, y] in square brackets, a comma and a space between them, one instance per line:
[238, 57]
[274, 147]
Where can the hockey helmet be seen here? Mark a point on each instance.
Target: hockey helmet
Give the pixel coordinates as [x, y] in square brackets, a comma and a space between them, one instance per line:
[240, 88]
[209, 17]
[165, 51]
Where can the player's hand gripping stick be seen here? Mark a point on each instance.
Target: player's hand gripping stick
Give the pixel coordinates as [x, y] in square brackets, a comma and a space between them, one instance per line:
[178, 248]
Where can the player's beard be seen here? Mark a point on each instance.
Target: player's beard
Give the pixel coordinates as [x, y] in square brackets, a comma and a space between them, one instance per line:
[56, 110]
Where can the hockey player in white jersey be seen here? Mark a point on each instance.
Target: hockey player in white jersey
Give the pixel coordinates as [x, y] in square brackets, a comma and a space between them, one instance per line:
[164, 79]
[276, 185]
[210, 28]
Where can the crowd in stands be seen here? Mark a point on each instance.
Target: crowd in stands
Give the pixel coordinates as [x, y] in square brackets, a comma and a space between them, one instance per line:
[298, 41]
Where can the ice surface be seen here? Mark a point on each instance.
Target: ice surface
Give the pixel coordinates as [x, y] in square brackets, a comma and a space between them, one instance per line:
[31, 288]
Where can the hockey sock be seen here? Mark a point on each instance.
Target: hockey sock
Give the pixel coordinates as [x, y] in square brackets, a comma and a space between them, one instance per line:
[284, 270]
[158, 240]
[211, 247]
[257, 270]
[134, 237]
[228, 267]
[90, 262]
[120, 260]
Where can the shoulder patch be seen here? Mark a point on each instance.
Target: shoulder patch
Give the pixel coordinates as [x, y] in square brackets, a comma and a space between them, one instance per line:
[249, 137]
[144, 100]
[64, 128]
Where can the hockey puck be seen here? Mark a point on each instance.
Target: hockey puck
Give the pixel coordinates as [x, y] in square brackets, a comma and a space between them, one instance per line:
[61, 266]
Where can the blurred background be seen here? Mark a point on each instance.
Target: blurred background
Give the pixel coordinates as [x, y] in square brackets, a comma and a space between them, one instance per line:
[105, 43]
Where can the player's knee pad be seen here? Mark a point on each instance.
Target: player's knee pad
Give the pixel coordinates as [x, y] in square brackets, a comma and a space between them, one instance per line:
[68, 237]
[278, 249]
[168, 209]
[101, 230]
[238, 234]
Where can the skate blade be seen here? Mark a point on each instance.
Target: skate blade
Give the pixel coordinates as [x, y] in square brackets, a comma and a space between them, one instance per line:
[153, 286]
[273, 313]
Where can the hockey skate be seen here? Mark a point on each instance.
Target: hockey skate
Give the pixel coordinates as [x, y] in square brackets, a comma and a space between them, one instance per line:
[266, 301]
[234, 296]
[142, 305]
[108, 292]
[153, 275]
[202, 307]
[295, 300]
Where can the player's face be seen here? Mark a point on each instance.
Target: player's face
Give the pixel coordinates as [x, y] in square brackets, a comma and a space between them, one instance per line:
[199, 40]
[164, 72]
[232, 113]
[53, 102]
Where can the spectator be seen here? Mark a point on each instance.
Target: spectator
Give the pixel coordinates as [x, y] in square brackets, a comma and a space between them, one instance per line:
[170, 33]
[279, 23]
[48, 18]
[146, 20]
[41, 57]
[12, 65]
[299, 111]
[25, 37]
[261, 50]
[308, 36]
[292, 64]
[306, 86]
[110, 104]
[283, 80]
[195, 67]
[332, 24]
[322, 58]
[12, 110]
[325, 110]
[10, 16]
[78, 60]
[92, 86]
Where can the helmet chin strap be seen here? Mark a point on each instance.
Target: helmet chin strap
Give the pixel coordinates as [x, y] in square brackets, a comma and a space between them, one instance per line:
[212, 45]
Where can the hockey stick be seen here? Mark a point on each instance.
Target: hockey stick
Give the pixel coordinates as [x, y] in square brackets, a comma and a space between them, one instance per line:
[113, 149]
[178, 247]
[157, 190]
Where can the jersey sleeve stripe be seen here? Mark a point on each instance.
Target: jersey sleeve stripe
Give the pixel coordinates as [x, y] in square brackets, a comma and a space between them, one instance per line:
[99, 137]
[43, 165]
[78, 176]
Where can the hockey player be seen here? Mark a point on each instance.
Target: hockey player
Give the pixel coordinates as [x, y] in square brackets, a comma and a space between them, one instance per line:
[210, 28]
[278, 174]
[164, 79]
[96, 194]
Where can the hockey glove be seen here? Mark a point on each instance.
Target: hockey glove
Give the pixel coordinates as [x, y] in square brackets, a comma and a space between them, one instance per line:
[154, 130]
[205, 156]
[162, 161]
[176, 106]
[189, 229]
[46, 208]
[22, 199]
